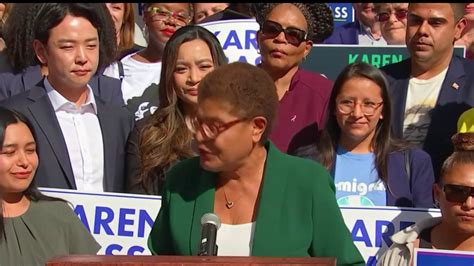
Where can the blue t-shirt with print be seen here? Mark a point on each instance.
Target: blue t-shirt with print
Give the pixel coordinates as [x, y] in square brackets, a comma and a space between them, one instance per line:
[356, 180]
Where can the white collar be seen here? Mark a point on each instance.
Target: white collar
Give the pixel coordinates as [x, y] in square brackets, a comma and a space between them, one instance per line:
[58, 101]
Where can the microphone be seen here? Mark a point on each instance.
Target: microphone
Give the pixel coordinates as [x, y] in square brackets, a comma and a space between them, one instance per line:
[210, 223]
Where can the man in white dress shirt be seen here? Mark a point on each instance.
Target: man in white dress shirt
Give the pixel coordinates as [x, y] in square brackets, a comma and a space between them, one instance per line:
[81, 139]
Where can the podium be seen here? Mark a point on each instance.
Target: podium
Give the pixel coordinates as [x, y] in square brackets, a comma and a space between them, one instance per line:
[141, 260]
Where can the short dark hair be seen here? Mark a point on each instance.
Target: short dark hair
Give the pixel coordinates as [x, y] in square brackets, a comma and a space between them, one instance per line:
[458, 10]
[318, 17]
[51, 14]
[248, 89]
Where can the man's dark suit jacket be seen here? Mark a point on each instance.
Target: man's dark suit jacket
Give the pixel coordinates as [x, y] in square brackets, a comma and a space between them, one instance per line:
[345, 34]
[55, 168]
[109, 89]
[455, 97]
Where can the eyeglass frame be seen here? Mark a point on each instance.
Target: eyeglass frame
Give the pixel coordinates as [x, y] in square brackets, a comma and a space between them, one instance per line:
[281, 29]
[338, 104]
[465, 194]
[153, 10]
[396, 12]
[198, 125]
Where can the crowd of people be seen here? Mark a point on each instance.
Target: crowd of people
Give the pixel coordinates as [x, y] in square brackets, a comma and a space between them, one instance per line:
[268, 148]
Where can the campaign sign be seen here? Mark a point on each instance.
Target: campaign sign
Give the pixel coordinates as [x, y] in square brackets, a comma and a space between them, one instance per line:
[330, 59]
[121, 223]
[342, 13]
[238, 38]
[439, 257]
[372, 227]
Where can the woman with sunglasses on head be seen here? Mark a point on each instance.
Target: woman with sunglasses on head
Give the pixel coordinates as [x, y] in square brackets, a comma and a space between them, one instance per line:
[162, 139]
[369, 167]
[454, 193]
[393, 21]
[34, 228]
[269, 203]
[287, 34]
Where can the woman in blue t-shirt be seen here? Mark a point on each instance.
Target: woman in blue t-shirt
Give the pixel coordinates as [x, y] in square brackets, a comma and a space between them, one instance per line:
[369, 167]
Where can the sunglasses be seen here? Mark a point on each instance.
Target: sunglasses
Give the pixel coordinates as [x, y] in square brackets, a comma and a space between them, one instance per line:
[399, 14]
[457, 193]
[294, 36]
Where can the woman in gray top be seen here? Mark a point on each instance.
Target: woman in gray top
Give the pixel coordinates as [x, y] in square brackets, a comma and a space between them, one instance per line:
[34, 227]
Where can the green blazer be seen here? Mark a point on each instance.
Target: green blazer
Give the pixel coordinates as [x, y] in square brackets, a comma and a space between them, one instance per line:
[297, 214]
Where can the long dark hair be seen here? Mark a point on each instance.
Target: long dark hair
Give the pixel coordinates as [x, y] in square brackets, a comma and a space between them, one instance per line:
[165, 138]
[382, 143]
[19, 36]
[9, 117]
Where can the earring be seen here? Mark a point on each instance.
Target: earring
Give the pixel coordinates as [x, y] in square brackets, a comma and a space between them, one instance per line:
[145, 32]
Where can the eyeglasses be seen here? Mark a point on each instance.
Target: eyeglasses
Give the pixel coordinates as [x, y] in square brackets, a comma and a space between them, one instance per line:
[211, 131]
[457, 193]
[293, 35]
[160, 14]
[347, 106]
[399, 14]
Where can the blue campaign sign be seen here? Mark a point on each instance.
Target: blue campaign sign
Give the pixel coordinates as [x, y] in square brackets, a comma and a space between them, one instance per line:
[343, 13]
[438, 257]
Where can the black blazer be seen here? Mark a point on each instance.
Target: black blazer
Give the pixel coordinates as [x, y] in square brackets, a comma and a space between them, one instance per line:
[455, 97]
[109, 89]
[345, 34]
[54, 168]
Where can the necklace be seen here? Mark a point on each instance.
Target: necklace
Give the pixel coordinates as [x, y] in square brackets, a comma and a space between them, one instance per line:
[228, 203]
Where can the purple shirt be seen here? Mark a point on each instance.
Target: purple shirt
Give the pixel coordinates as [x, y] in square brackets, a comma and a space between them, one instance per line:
[301, 111]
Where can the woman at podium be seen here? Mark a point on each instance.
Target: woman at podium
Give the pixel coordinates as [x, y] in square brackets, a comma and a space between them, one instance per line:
[268, 203]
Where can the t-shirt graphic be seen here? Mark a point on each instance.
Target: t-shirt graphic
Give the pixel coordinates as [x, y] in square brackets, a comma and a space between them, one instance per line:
[421, 99]
[145, 104]
[139, 84]
[356, 180]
